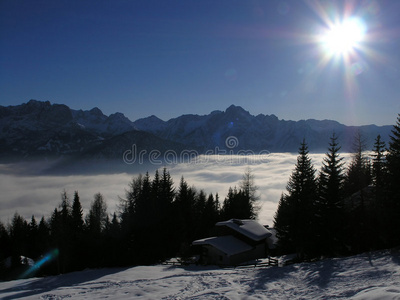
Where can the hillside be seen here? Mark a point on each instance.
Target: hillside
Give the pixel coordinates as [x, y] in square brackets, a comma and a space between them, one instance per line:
[365, 276]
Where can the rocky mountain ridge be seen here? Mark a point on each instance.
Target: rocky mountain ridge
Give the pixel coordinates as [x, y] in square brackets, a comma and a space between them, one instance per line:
[39, 129]
[257, 133]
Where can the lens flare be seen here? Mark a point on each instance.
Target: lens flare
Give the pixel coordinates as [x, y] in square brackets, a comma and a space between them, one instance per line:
[36, 267]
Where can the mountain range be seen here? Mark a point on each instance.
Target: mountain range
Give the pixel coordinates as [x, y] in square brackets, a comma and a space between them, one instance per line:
[37, 130]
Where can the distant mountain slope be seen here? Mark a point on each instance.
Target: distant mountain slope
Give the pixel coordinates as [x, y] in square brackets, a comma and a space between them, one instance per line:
[257, 133]
[36, 129]
[40, 129]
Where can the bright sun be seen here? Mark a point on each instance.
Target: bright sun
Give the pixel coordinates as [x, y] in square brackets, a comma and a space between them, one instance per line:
[343, 38]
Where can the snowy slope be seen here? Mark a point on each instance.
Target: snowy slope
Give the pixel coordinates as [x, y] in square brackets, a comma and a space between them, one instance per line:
[366, 276]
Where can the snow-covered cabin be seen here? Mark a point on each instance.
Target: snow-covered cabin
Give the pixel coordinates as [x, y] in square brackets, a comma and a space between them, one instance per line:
[237, 241]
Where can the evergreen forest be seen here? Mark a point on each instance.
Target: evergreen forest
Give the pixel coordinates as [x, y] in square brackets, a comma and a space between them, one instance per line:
[154, 222]
[335, 211]
[342, 210]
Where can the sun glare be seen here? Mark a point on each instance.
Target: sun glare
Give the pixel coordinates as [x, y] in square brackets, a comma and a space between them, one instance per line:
[343, 38]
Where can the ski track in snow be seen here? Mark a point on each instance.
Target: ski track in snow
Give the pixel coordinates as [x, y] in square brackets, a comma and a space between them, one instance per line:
[361, 277]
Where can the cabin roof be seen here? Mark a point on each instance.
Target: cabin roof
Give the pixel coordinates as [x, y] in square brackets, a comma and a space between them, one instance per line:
[249, 228]
[227, 244]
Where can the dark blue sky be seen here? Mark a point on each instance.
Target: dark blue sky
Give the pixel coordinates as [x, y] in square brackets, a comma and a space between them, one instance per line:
[171, 57]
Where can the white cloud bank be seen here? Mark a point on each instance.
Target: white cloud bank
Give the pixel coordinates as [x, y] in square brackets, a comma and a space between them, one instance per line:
[39, 195]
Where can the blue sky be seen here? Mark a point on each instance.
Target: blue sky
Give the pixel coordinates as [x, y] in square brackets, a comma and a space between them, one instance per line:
[171, 57]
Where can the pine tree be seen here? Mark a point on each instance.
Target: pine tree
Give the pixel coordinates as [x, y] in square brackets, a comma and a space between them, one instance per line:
[165, 217]
[241, 203]
[96, 221]
[155, 194]
[19, 232]
[379, 229]
[145, 207]
[43, 238]
[112, 243]
[114, 226]
[77, 235]
[359, 171]
[393, 161]
[34, 250]
[77, 222]
[211, 212]
[330, 205]
[128, 221]
[359, 215]
[200, 228]
[4, 242]
[297, 227]
[184, 210]
[393, 184]
[167, 189]
[129, 205]
[231, 207]
[284, 224]
[378, 164]
[147, 218]
[96, 218]
[5, 251]
[65, 210]
[249, 189]
[65, 233]
[55, 236]
[138, 219]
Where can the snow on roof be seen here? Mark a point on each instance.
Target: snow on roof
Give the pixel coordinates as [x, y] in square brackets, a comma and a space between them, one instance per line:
[227, 244]
[248, 228]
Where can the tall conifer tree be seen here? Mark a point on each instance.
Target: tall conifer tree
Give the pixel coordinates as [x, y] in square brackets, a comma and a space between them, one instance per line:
[378, 163]
[393, 181]
[77, 215]
[330, 207]
[358, 174]
[294, 220]
[77, 241]
[250, 196]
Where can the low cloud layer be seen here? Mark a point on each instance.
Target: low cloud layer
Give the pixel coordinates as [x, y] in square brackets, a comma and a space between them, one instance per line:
[39, 195]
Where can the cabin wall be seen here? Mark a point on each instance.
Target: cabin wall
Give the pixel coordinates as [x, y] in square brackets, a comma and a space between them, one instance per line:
[213, 256]
[258, 251]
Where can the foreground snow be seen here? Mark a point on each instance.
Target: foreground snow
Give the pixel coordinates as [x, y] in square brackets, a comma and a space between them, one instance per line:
[366, 276]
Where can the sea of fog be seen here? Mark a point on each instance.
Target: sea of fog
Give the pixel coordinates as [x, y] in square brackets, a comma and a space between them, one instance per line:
[38, 195]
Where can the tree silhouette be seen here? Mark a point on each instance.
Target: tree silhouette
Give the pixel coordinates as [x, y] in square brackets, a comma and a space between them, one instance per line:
[96, 221]
[184, 211]
[241, 204]
[378, 163]
[5, 250]
[19, 232]
[358, 174]
[294, 220]
[330, 205]
[393, 182]
[78, 240]
[97, 216]
[249, 188]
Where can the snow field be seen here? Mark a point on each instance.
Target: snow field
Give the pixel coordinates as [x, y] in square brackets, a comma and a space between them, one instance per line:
[361, 277]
